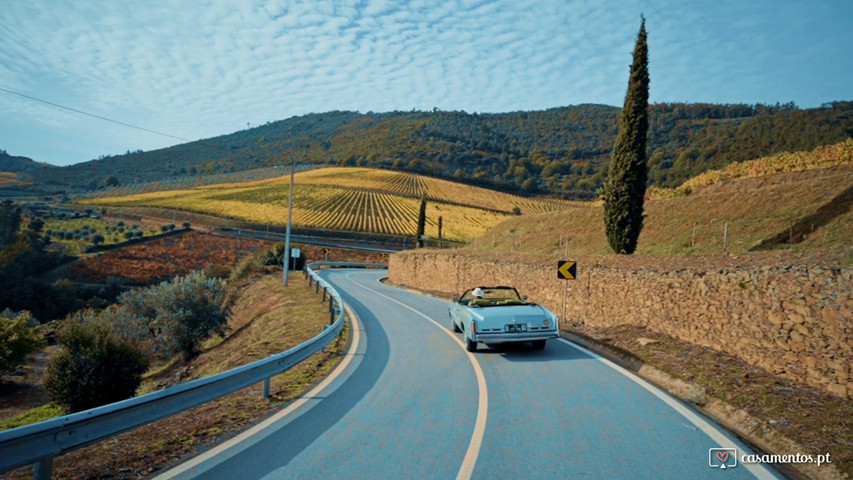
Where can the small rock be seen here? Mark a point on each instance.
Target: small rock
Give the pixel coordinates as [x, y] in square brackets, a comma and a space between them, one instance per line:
[837, 389]
[646, 341]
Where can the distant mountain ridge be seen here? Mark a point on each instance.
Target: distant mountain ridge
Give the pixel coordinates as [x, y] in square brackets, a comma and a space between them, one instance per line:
[9, 163]
[562, 150]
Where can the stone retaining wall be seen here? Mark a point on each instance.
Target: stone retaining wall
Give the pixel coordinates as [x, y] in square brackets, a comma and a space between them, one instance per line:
[792, 319]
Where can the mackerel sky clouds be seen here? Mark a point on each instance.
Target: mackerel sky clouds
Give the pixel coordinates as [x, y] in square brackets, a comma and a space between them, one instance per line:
[197, 69]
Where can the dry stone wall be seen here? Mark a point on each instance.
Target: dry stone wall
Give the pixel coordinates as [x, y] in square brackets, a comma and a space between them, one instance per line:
[789, 317]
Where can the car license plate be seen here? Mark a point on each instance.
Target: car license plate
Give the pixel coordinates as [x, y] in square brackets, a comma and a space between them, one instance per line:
[516, 328]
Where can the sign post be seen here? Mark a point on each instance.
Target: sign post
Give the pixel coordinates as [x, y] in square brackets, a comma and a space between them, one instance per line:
[286, 260]
[566, 270]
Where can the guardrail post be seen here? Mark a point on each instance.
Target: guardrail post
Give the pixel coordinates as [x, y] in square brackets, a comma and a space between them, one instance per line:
[43, 469]
[266, 392]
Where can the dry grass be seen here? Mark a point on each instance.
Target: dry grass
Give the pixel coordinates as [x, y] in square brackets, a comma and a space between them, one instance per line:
[821, 157]
[756, 210]
[267, 319]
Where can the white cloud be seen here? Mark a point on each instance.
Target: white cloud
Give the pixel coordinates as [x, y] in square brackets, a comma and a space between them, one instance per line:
[199, 69]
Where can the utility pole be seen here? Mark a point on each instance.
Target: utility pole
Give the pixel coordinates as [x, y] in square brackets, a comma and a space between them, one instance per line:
[289, 219]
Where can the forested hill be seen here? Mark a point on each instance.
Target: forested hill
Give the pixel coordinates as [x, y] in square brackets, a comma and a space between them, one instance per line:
[22, 165]
[562, 150]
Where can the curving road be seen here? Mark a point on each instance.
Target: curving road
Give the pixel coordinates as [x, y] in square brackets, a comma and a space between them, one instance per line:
[410, 402]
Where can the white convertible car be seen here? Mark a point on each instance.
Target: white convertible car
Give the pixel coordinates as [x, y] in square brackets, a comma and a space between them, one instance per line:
[494, 315]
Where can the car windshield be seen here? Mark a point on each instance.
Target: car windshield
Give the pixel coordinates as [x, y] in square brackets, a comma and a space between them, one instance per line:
[492, 296]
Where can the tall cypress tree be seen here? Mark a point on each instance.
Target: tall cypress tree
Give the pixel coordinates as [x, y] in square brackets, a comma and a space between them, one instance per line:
[421, 224]
[626, 179]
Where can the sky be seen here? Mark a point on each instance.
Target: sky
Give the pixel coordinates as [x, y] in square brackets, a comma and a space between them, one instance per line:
[193, 69]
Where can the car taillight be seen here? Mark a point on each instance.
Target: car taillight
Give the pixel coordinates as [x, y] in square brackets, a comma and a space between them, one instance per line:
[473, 326]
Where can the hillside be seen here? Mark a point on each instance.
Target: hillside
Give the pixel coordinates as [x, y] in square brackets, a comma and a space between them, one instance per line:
[8, 179]
[802, 210]
[13, 164]
[17, 173]
[561, 150]
[350, 199]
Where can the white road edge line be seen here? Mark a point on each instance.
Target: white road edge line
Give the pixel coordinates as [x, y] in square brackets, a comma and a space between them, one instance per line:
[758, 470]
[219, 454]
[470, 459]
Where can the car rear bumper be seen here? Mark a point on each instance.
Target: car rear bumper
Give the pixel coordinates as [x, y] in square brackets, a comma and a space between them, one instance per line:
[495, 338]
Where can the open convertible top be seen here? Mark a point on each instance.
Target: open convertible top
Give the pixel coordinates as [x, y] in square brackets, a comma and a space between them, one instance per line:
[492, 296]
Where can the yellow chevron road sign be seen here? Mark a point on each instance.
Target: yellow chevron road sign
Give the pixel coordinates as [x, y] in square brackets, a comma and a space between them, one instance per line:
[567, 270]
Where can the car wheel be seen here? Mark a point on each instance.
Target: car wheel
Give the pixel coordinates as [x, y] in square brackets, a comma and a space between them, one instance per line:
[454, 327]
[538, 344]
[470, 345]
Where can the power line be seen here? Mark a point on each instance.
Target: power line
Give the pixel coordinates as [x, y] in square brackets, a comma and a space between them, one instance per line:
[93, 115]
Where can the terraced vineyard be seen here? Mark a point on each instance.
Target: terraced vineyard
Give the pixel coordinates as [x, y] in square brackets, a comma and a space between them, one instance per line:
[416, 186]
[8, 178]
[351, 199]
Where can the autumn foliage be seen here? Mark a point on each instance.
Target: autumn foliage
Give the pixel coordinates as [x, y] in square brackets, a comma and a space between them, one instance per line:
[165, 258]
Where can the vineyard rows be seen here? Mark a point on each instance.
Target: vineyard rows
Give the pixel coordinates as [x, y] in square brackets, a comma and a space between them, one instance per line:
[8, 178]
[352, 199]
[195, 181]
[417, 186]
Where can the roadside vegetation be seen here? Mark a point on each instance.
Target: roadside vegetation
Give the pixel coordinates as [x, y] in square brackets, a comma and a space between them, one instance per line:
[182, 329]
[18, 339]
[94, 365]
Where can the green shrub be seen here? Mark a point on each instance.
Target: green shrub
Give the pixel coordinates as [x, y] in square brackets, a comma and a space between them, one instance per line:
[18, 339]
[35, 415]
[181, 313]
[217, 271]
[273, 255]
[249, 266]
[94, 367]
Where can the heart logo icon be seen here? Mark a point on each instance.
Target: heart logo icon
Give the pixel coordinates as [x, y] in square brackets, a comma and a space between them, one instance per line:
[722, 456]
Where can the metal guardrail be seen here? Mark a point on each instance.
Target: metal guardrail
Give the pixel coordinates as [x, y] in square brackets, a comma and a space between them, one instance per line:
[328, 240]
[39, 443]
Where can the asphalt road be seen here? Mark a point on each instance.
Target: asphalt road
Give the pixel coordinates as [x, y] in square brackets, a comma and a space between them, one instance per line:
[410, 402]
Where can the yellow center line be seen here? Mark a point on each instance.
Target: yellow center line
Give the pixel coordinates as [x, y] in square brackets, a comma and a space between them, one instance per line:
[470, 459]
